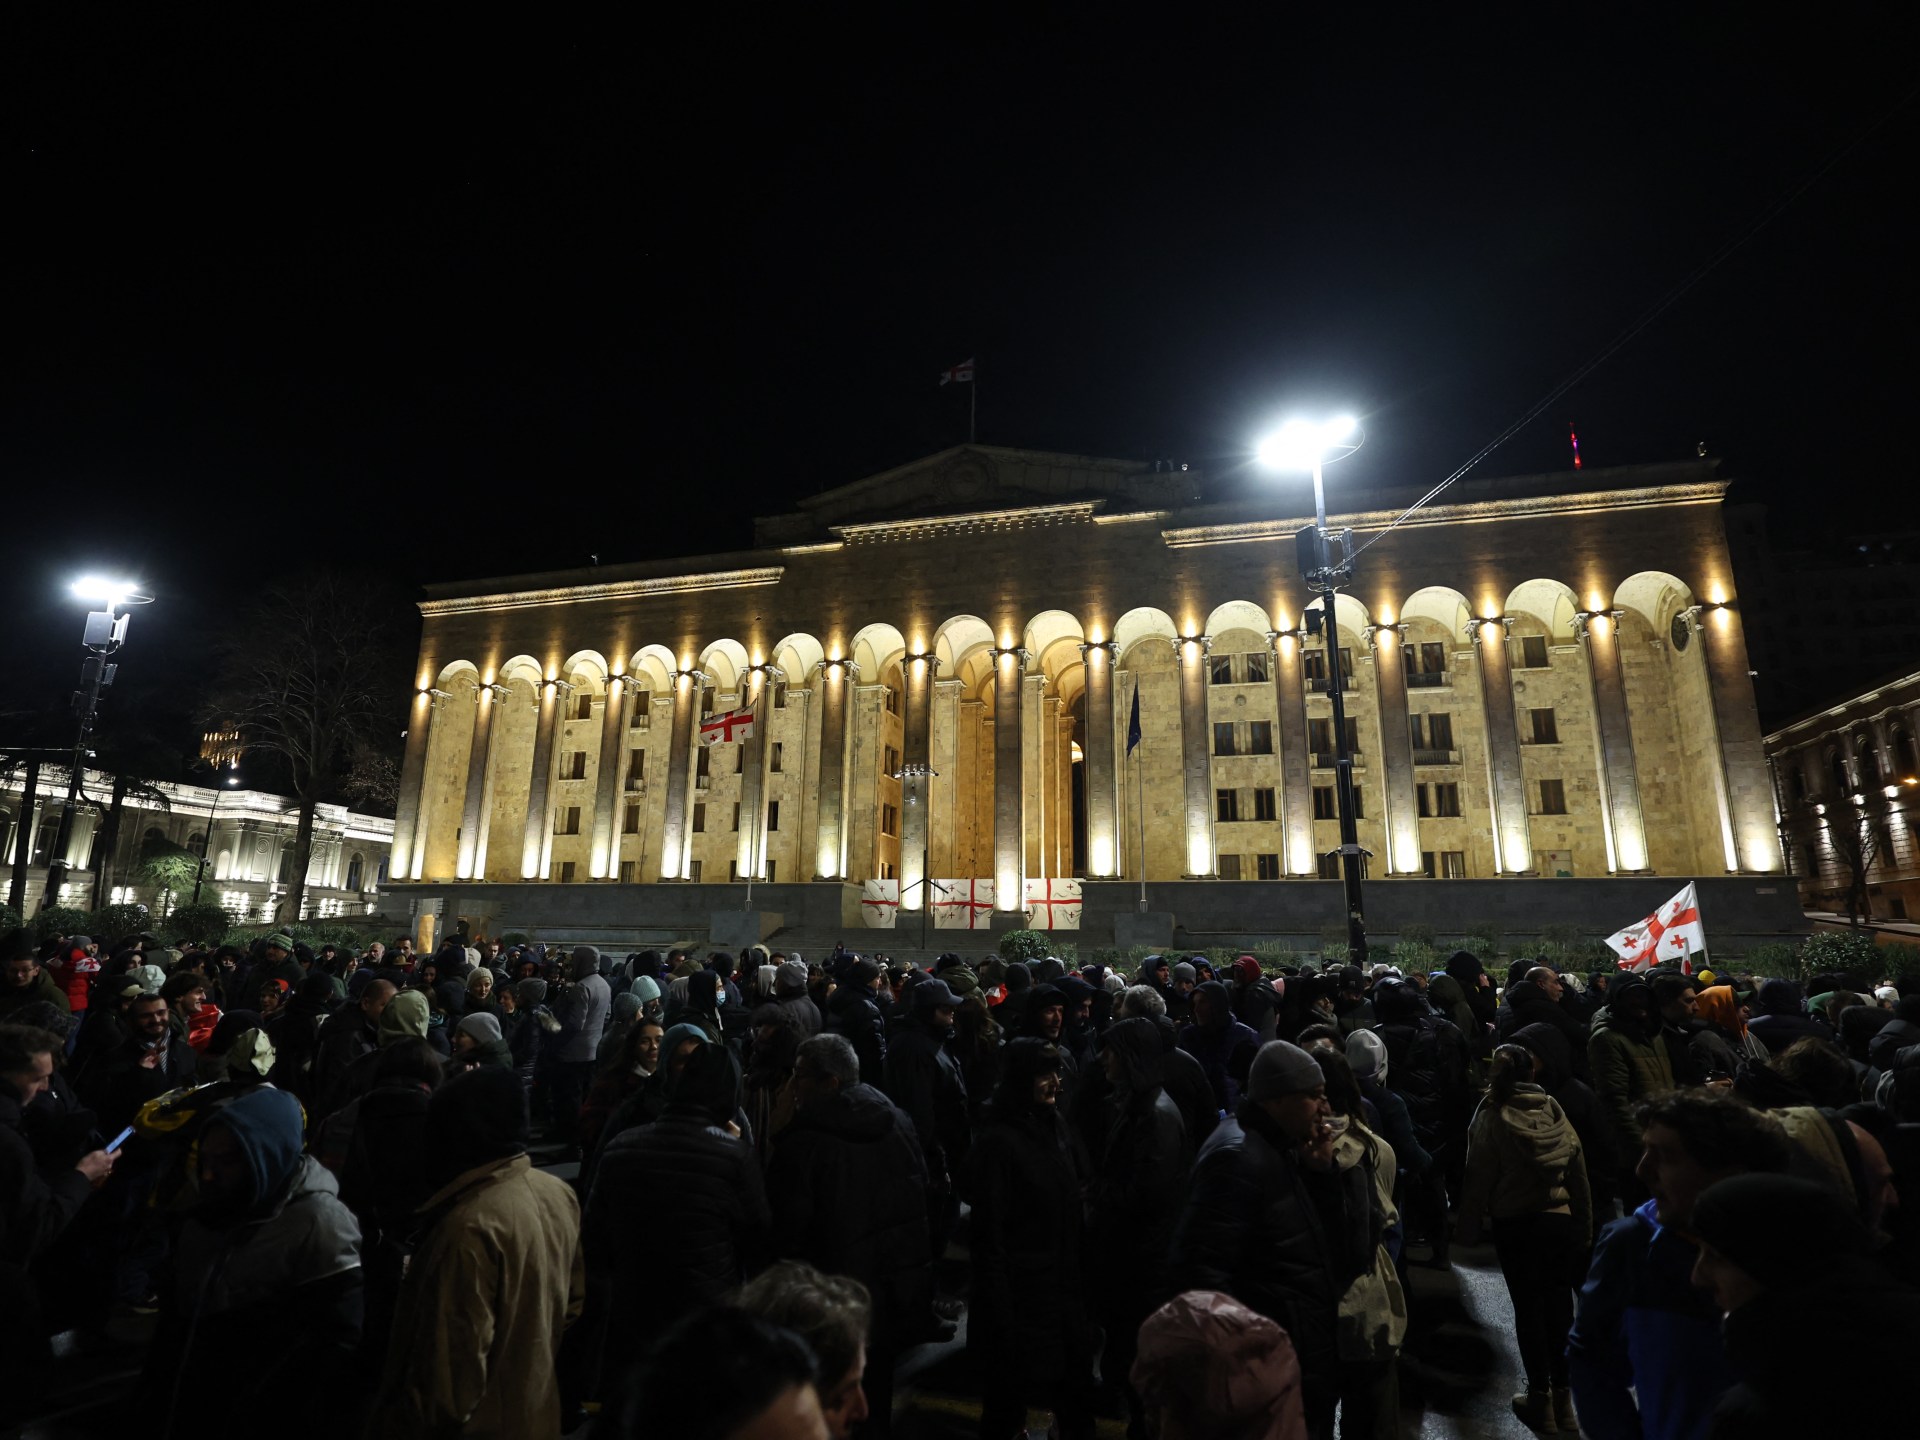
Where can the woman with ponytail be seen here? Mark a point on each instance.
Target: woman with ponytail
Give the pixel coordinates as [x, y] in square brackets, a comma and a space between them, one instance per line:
[1525, 1169]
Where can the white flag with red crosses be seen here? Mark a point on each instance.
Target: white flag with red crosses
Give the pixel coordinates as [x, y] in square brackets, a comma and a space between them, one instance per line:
[1673, 932]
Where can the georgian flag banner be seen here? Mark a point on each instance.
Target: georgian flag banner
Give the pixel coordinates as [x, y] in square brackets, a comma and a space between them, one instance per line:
[961, 374]
[880, 903]
[963, 904]
[1053, 904]
[726, 729]
[1672, 932]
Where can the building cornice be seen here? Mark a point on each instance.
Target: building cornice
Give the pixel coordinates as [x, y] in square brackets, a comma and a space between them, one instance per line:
[1026, 517]
[608, 590]
[1477, 511]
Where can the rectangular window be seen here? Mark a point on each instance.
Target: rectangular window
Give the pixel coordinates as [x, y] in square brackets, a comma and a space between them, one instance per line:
[733, 869]
[1268, 866]
[707, 697]
[1440, 729]
[893, 702]
[631, 826]
[703, 762]
[892, 759]
[1220, 670]
[1223, 739]
[1263, 804]
[1313, 664]
[1423, 801]
[583, 708]
[774, 758]
[1260, 737]
[642, 702]
[889, 820]
[1453, 864]
[636, 769]
[699, 819]
[773, 815]
[1555, 864]
[780, 695]
[1258, 672]
[1228, 867]
[1226, 804]
[1320, 736]
[1324, 806]
[739, 759]
[629, 871]
[773, 872]
[1329, 865]
[736, 815]
[886, 870]
[566, 872]
[1533, 652]
[576, 765]
[1417, 729]
[1427, 863]
[693, 871]
[1425, 663]
[1359, 803]
[1553, 798]
[1541, 729]
[1446, 800]
[569, 821]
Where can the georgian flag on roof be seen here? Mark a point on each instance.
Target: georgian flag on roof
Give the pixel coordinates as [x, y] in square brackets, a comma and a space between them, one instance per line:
[961, 374]
[1672, 932]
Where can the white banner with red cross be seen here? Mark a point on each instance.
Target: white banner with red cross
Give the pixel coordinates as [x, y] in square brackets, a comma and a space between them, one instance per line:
[962, 904]
[880, 903]
[1053, 904]
[1672, 932]
[725, 729]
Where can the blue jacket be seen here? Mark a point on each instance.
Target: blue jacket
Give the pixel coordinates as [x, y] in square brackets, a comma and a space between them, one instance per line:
[1642, 1324]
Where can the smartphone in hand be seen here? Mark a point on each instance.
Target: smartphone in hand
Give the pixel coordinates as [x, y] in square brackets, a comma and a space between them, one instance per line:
[113, 1146]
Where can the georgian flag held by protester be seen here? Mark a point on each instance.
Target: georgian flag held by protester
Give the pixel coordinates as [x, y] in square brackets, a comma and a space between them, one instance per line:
[1673, 932]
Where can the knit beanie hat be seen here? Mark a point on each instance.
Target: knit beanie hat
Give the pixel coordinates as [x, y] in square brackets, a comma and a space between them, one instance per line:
[645, 988]
[1780, 1229]
[791, 978]
[1184, 971]
[484, 1028]
[530, 991]
[1367, 1054]
[1281, 1069]
[474, 1118]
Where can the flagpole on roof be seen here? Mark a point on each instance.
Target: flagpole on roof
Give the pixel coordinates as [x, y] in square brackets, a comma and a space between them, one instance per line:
[973, 409]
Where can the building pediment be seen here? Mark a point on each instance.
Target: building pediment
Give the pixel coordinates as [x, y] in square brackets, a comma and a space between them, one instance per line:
[971, 481]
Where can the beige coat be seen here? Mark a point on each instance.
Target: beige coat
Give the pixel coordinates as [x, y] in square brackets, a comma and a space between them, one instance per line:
[1373, 1312]
[498, 1278]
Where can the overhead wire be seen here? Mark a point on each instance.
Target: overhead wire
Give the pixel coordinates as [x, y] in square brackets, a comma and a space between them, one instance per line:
[1646, 318]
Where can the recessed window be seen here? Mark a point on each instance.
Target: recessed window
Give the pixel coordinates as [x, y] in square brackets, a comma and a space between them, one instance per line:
[1533, 652]
[1329, 865]
[1541, 729]
[693, 871]
[569, 821]
[780, 695]
[629, 871]
[1324, 805]
[631, 825]
[583, 707]
[1226, 805]
[773, 815]
[1264, 804]
[1553, 798]
[736, 815]
[699, 819]
[1258, 671]
[889, 819]
[1260, 737]
[576, 765]
[1220, 670]
[1268, 866]
[1223, 739]
[1228, 867]
[567, 871]
[774, 757]
[642, 702]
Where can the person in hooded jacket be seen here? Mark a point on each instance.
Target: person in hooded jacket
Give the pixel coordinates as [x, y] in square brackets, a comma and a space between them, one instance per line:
[1780, 1016]
[1554, 1074]
[268, 1250]
[1367, 1058]
[477, 1041]
[1223, 1045]
[582, 1010]
[697, 1181]
[924, 1080]
[1138, 1175]
[1526, 1170]
[1539, 999]
[1028, 1326]
[1153, 971]
[1254, 1002]
[1720, 1043]
[1898, 1043]
[295, 1033]
[1429, 1068]
[853, 1011]
[1476, 988]
[847, 1188]
[1630, 1066]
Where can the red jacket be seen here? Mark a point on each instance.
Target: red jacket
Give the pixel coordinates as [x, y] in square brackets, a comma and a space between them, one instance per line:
[74, 972]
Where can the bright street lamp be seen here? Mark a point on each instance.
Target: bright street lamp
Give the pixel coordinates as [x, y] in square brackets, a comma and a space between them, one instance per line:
[106, 632]
[1311, 445]
[206, 838]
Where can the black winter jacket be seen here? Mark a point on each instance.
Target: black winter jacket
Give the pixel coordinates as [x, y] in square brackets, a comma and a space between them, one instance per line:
[1428, 1065]
[852, 1012]
[849, 1188]
[924, 1080]
[1527, 1004]
[33, 1209]
[1252, 1230]
[347, 1035]
[677, 1219]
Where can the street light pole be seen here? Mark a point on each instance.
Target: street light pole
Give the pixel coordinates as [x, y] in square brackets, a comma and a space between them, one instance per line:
[206, 839]
[1303, 445]
[104, 634]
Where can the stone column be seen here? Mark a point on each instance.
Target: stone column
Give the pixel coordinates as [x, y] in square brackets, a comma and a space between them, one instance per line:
[1296, 774]
[836, 679]
[1103, 797]
[1619, 773]
[687, 686]
[536, 838]
[1506, 780]
[1009, 812]
[1196, 763]
[404, 863]
[750, 849]
[944, 790]
[1063, 791]
[604, 846]
[1037, 813]
[1753, 845]
[473, 811]
[1402, 813]
[916, 787]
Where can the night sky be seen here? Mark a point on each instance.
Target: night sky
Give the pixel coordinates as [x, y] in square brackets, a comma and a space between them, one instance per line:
[420, 300]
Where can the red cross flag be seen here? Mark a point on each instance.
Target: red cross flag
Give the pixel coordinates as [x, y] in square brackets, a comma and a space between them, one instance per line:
[1673, 932]
[880, 903]
[961, 374]
[727, 728]
[1054, 904]
[963, 904]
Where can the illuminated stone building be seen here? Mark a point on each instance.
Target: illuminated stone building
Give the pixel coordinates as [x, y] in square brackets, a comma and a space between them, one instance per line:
[1546, 680]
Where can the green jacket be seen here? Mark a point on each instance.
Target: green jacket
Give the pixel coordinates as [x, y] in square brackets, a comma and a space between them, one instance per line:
[1627, 1069]
[1523, 1158]
[41, 987]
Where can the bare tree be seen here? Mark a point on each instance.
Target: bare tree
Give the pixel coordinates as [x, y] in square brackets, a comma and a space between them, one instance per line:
[311, 675]
[1856, 835]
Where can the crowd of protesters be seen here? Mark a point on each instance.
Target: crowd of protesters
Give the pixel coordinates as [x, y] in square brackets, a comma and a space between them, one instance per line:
[1184, 1199]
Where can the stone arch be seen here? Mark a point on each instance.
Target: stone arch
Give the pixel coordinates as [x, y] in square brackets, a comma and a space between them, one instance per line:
[1350, 614]
[454, 671]
[1905, 753]
[1142, 624]
[960, 638]
[1438, 605]
[521, 667]
[656, 665]
[876, 646]
[516, 719]
[725, 662]
[1866, 758]
[1656, 597]
[1053, 639]
[1239, 615]
[798, 656]
[1551, 603]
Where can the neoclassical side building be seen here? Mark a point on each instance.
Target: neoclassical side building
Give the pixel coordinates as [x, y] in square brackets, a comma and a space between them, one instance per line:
[1544, 676]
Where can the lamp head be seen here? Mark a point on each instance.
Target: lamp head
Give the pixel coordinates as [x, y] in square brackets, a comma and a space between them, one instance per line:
[1301, 444]
[109, 592]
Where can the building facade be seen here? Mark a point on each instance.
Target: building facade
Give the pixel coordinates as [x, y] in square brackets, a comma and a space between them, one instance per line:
[1544, 676]
[1847, 783]
[246, 836]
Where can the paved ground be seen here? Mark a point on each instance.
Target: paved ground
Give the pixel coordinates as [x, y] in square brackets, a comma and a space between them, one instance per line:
[1458, 1372]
